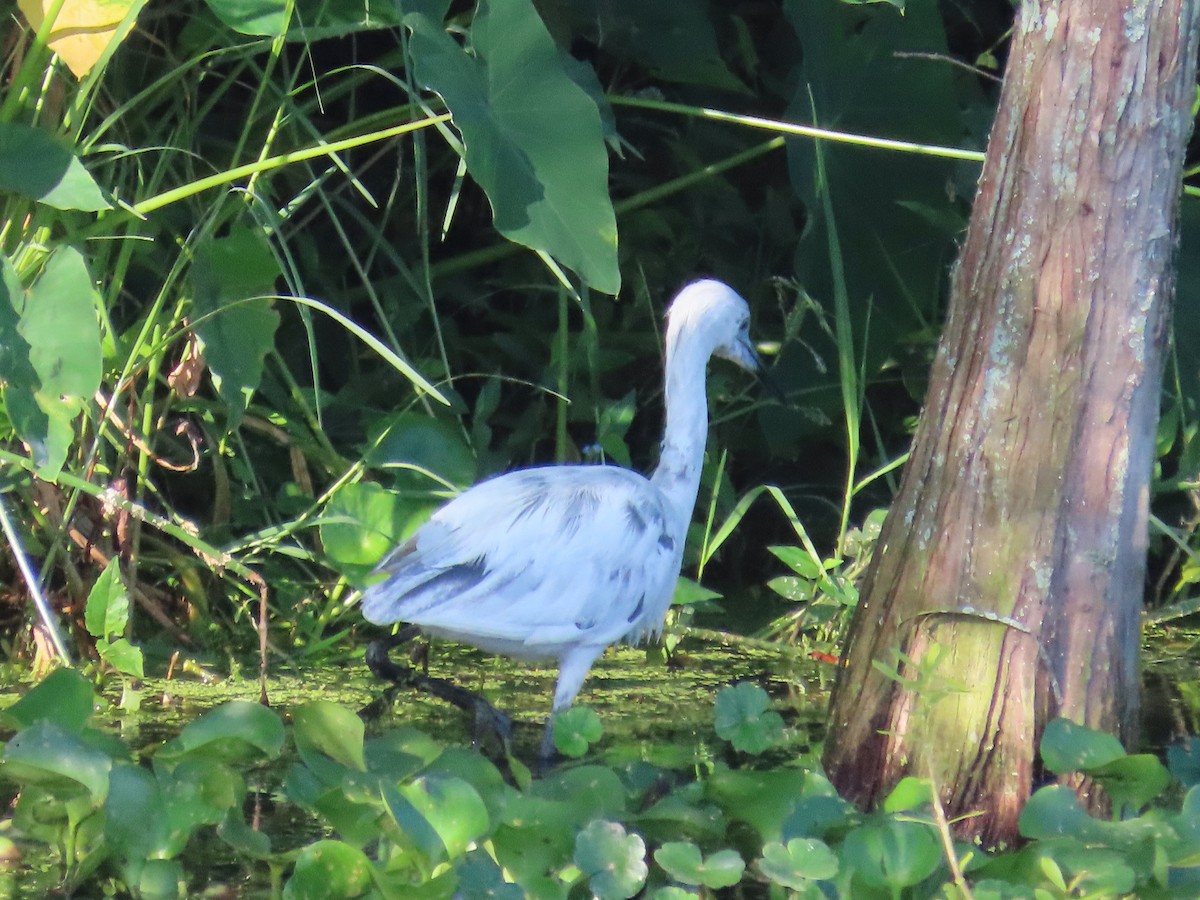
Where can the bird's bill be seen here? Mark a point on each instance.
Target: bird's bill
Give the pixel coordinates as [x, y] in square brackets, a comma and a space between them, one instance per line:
[743, 354]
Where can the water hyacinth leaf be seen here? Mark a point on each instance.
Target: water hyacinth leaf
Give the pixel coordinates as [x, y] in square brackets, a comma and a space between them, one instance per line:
[816, 816]
[892, 854]
[613, 861]
[745, 720]
[591, 791]
[333, 730]
[575, 730]
[106, 612]
[44, 753]
[232, 277]
[64, 697]
[798, 863]
[452, 808]
[37, 165]
[683, 862]
[545, 174]
[198, 792]
[329, 868]
[135, 817]
[1054, 811]
[161, 878]
[235, 731]
[479, 876]
[763, 800]
[251, 842]
[1067, 747]
[1132, 781]
[83, 29]
[673, 892]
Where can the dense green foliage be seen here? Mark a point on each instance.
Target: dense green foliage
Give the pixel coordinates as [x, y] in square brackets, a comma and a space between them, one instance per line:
[405, 816]
[276, 278]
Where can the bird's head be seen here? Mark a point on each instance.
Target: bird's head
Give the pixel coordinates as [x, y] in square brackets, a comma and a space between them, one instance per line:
[715, 317]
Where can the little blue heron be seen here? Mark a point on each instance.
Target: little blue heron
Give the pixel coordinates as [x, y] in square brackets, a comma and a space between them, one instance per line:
[559, 562]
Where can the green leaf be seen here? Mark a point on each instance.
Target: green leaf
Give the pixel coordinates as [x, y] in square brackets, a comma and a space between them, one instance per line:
[316, 19]
[801, 861]
[326, 869]
[64, 697]
[44, 753]
[613, 861]
[682, 861]
[576, 729]
[51, 366]
[1133, 781]
[106, 612]
[122, 656]
[892, 854]
[333, 730]
[1054, 811]
[909, 794]
[413, 440]
[235, 731]
[745, 720]
[1067, 747]
[364, 521]
[452, 808]
[533, 137]
[235, 331]
[37, 165]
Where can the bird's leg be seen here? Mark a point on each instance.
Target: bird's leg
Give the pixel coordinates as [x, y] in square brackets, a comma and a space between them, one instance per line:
[485, 716]
[572, 669]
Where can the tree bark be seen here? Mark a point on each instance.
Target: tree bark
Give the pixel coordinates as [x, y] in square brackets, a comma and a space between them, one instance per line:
[1008, 582]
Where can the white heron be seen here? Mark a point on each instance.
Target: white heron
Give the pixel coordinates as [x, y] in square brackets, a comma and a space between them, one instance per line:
[559, 562]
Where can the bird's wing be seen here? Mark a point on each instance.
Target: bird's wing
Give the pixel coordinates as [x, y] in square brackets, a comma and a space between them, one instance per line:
[543, 558]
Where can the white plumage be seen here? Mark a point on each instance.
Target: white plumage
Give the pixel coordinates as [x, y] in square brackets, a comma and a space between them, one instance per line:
[559, 562]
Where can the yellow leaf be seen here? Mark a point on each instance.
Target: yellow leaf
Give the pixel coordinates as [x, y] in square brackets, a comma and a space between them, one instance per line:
[83, 29]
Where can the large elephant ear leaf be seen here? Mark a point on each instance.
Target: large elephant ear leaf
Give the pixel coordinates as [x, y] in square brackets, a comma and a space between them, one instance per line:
[534, 139]
[233, 279]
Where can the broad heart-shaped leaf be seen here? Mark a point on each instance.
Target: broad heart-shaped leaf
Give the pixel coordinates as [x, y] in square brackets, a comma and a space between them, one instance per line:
[236, 331]
[106, 612]
[329, 869]
[313, 20]
[65, 698]
[234, 731]
[534, 140]
[82, 29]
[51, 365]
[363, 521]
[1068, 747]
[37, 165]
[852, 61]
[682, 861]
[745, 719]
[800, 861]
[437, 446]
[613, 862]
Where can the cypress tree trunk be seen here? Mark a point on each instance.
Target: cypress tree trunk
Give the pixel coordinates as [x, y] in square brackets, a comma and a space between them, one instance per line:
[1008, 582]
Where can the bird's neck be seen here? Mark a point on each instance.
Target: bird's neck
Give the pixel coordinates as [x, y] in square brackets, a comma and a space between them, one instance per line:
[678, 472]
